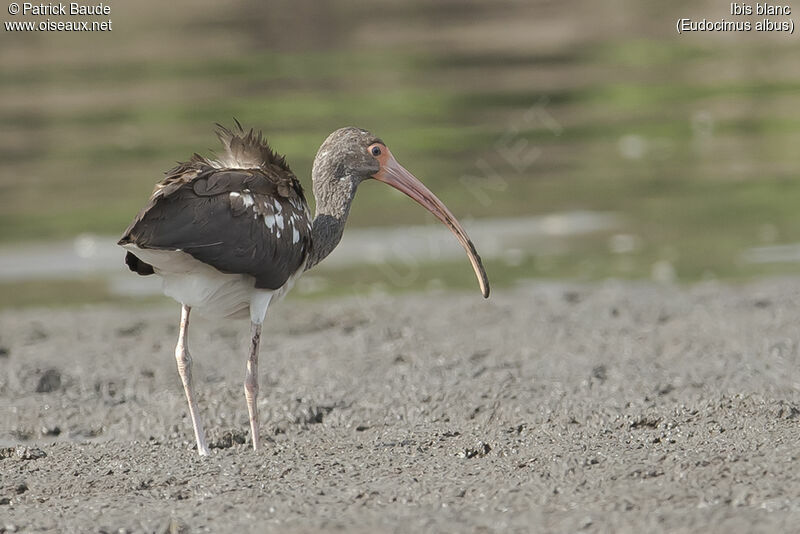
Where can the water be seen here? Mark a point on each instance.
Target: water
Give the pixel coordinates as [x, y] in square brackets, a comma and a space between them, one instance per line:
[508, 110]
[509, 240]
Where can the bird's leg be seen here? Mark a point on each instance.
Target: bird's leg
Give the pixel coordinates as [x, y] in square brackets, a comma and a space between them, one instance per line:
[251, 382]
[184, 360]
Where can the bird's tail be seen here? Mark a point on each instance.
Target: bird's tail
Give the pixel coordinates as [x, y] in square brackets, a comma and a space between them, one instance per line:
[138, 266]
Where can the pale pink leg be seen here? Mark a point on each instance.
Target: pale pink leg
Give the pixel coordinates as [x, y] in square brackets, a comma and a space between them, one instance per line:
[184, 360]
[251, 382]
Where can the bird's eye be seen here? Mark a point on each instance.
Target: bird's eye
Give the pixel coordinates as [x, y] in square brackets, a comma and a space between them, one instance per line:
[376, 151]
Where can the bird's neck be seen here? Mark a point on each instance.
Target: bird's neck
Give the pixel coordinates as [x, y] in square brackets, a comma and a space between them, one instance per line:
[334, 196]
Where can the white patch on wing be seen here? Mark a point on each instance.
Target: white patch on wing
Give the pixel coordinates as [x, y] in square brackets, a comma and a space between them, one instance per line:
[278, 207]
[269, 220]
[248, 200]
[279, 220]
[234, 195]
[295, 236]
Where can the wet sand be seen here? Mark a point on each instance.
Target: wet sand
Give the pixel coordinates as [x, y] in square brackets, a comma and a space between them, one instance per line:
[615, 407]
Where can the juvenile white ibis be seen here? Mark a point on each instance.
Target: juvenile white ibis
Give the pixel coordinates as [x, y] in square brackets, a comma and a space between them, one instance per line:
[232, 234]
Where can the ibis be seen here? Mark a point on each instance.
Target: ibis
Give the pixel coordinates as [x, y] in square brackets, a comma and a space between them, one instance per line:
[230, 234]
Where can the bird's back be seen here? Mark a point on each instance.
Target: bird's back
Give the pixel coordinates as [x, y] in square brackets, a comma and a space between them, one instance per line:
[242, 214]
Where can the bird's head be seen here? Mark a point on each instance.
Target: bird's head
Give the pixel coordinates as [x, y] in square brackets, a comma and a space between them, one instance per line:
[351, 155]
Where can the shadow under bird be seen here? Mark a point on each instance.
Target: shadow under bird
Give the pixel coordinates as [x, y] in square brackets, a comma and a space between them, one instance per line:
[230, 235]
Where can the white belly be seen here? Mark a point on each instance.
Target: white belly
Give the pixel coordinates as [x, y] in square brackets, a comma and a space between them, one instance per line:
[202, 287]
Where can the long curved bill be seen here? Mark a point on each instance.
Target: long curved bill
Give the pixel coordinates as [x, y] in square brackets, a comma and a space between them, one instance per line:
[395, 175]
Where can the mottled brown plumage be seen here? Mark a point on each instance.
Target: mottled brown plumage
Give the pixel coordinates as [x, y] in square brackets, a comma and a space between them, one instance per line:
[252, 220]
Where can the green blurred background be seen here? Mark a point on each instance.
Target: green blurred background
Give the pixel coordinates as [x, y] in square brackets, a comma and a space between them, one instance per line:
[507, 109]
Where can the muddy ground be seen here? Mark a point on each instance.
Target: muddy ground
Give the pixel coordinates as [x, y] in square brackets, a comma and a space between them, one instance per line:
[613, 407]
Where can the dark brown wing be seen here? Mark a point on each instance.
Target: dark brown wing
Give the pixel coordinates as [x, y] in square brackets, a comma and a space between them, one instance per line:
[245, 221]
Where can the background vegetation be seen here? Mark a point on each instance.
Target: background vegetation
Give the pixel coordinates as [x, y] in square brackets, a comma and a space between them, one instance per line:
[505, 108]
